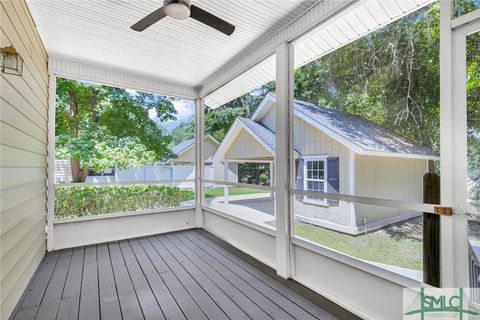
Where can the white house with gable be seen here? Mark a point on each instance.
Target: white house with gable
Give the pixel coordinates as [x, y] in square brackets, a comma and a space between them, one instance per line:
[335, 152]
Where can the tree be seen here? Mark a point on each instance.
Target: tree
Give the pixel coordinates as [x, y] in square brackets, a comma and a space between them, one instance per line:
[392, 77]
[219, 120]
[101, 127]
[184, 131]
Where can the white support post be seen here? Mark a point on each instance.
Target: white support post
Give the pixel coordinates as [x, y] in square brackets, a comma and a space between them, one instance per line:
[460, 221]
[199, 162]
[446, 142]
[284, 101]
[52, 92]
[272, 178]
[225, 178]
[453, 146]
[171, 173]
[352, 156]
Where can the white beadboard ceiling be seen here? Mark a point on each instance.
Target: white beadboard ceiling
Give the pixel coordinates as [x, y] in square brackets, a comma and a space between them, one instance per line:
[185, 52]
[261, 74]
[350, 24]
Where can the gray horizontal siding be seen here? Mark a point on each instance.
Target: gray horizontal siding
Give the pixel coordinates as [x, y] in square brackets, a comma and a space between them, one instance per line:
[23, 156]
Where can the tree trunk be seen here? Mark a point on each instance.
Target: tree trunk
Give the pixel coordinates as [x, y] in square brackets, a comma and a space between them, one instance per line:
[93, 103]
[75, 164]
[83, 175]
[79, 174]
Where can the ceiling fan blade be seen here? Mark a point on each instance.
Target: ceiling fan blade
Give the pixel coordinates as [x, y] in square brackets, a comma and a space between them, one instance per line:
[211, 20]
[149, 20]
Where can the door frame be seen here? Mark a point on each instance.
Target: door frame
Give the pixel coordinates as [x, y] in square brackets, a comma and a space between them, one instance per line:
[453, 142]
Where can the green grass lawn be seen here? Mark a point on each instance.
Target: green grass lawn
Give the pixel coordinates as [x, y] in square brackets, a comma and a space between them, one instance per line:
[234, 191]
[218, 192]
[398, 245]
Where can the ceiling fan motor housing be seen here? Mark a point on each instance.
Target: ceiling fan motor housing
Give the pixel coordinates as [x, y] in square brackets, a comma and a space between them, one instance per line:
[177, 9]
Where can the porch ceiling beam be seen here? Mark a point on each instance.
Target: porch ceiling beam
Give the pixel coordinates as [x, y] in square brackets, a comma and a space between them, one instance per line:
[316, 15]
[107, 76]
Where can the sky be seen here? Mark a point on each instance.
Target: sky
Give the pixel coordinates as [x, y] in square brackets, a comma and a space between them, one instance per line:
[185, 110]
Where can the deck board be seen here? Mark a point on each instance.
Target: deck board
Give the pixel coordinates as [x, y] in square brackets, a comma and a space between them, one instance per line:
[234, 261]
[34, 294]
[208, 306]
[89, 295]
[148, 303]
[51, 300]
[264, 302]
[165, 300]
[220, 297]
[189, 307]
[127, 297]
[70, 301]
[109, 304]
[291, 308]
[180, 275]
[232, 288]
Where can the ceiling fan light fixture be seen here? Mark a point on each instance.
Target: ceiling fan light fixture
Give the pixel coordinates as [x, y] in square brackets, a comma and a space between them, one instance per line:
[177, 10]
[181, 10]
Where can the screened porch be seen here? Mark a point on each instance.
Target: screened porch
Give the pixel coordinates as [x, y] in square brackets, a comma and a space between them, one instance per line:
[293, 159]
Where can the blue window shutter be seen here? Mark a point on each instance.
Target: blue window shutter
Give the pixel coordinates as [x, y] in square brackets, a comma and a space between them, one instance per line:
[299, 178]
[333, 179]
[333, 175]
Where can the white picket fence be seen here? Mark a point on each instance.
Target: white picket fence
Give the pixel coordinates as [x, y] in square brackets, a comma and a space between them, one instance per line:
[168, 174]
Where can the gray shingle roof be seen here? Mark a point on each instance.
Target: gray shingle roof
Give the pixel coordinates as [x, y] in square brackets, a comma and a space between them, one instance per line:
[182, 146]
[263, 133]
[355, 131]
[361, 132]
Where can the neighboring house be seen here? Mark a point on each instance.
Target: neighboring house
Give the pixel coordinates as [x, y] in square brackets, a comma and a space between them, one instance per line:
[185, 152]
[336, 153]
[185, 155]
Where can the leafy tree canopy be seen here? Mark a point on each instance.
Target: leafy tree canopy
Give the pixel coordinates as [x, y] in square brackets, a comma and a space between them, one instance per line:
[183, 131]
[392, 77]
[219, 120]
[101, 127]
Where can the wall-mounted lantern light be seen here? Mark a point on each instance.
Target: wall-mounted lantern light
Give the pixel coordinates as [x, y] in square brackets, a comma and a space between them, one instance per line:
[10, 61]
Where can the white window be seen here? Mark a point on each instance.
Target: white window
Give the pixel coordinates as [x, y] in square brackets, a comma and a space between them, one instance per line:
[315, 177]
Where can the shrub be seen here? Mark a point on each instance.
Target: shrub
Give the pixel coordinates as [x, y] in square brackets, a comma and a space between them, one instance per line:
[79, 201]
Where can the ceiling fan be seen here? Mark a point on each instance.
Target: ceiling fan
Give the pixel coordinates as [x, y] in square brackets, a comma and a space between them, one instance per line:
[181, 10]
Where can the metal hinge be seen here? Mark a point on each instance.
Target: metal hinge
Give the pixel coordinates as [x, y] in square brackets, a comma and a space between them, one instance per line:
[443, 211]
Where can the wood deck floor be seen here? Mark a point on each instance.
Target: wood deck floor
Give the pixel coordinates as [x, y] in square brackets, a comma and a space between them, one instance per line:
[181, 275]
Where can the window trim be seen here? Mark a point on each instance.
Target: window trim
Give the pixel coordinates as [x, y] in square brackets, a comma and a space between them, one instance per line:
[311, 158]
